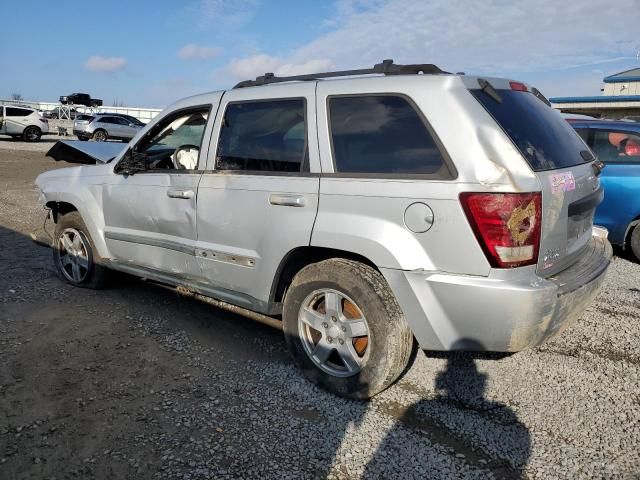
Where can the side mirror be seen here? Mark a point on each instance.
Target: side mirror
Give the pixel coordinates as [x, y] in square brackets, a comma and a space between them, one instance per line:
[131, 163]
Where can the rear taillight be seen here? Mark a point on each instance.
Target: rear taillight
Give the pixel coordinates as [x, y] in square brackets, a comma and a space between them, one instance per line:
[632, 148]
[44, 120]
[507, 226]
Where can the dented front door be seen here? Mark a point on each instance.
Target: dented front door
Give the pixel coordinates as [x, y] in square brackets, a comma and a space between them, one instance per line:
[150, 216]
[150, 221]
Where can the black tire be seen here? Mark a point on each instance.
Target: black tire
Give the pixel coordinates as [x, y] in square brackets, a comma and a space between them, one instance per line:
[83, 139]
[389, 342]
[100, 135]
[93, 275]
[634, 242]
[32, 134]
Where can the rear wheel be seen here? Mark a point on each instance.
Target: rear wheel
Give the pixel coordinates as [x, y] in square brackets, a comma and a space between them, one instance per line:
[344, 328]
[100, 136]
[74, 254]
[634, 242]
[32, 134]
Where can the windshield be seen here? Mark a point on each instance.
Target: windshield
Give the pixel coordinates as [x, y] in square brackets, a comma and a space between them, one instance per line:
[543, 137]
[185, 130]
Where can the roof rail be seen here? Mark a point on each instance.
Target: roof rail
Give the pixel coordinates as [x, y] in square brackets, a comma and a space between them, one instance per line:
[387, 67]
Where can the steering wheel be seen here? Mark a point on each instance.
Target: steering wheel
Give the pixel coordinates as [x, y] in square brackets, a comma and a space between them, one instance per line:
[176, 164]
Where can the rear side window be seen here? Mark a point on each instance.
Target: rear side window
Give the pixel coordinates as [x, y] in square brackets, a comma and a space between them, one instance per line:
[382, 134]
[612, 146]
[18, 112]
[544, 138]
[263, 136]
[584, 134]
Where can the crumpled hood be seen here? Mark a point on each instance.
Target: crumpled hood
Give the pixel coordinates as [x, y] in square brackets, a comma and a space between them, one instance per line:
[87, 153]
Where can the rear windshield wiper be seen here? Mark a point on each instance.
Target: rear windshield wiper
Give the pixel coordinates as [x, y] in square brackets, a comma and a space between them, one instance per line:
[538, 94]
[487, 88]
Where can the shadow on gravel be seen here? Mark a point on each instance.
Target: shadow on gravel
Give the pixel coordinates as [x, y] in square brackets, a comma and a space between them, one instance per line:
[493, 432]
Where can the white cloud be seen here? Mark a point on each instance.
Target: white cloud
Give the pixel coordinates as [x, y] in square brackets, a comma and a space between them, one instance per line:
[251, 67]
[492, 36]
[97, 63]
[192, 51]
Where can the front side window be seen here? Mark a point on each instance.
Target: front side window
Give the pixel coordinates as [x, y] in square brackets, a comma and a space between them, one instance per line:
[263, 136]
[175, 142]
[616, 146]
[382, 134]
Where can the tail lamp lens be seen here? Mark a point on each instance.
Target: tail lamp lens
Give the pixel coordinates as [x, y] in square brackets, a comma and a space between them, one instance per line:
[507, 226]
[632, 148]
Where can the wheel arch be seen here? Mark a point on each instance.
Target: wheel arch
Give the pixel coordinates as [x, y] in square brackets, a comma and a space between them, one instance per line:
[60, 208]
[298, 258]
[61, 202]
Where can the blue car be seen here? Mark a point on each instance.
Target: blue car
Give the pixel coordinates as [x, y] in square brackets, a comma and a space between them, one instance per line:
[617, 144]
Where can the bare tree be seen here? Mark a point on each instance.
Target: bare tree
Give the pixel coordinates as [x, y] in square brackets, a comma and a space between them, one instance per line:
[17, 97]
[118, 103]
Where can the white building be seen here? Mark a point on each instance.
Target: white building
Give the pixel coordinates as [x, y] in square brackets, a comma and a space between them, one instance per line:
[620, 98]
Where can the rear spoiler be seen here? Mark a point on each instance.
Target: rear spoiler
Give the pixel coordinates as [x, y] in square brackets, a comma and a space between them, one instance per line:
[87, 153]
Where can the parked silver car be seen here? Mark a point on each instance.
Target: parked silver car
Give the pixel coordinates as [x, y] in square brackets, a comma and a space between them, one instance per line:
[104, 126]
[359, 214]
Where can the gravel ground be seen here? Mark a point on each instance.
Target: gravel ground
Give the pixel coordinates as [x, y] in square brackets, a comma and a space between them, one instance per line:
[137, 382]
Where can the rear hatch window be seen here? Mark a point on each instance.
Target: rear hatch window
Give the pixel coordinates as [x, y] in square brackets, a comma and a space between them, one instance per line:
[570, 187]
[544, 138]
[84, 118]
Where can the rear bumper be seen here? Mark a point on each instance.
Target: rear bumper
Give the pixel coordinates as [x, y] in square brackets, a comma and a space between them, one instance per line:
[508, 311]
[81, 133]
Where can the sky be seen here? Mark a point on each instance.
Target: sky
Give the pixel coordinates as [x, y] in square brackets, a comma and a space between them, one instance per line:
[144, 53]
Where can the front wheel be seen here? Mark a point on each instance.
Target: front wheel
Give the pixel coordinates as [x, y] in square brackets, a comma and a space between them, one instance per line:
[634, 242]
[74, 255]
[32, 134]
[345, 329]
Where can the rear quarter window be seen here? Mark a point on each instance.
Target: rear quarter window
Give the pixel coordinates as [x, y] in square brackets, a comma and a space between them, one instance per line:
[543, 137]
[383, 135]
[18, 112]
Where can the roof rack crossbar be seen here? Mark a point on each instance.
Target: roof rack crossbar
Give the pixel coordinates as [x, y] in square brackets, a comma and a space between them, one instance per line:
[387, 67]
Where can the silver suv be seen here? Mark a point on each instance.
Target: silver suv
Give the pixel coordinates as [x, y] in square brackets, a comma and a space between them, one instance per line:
[104, 126]
[361, 215]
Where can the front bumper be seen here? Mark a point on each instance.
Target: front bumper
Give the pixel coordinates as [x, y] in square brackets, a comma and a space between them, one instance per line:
[507, 311]
[81, 133]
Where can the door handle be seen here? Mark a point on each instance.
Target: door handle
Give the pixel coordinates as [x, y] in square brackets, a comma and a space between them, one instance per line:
[287, 200]
[178, 193]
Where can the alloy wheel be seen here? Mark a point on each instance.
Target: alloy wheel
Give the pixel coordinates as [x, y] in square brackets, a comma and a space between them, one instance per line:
[334, 332]
[73, 255]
